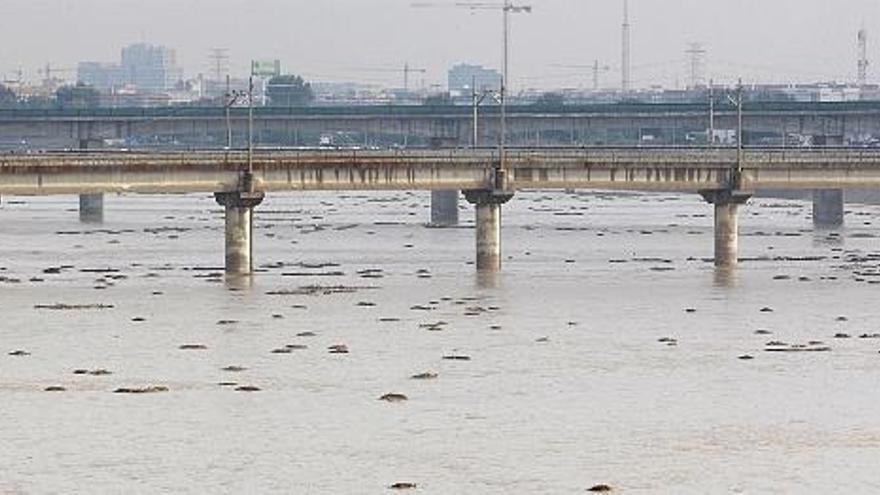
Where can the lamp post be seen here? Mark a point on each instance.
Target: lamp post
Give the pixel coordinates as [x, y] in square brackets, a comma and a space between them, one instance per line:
[507, 9]
[477, 98]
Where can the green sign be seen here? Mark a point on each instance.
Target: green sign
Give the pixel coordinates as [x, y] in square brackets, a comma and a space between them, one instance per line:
[266, 68]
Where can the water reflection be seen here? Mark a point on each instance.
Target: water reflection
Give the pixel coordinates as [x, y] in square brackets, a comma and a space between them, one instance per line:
[725, 277]
[488, 279]
[238, 282]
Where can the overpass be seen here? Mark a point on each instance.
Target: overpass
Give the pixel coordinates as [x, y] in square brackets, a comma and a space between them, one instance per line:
[621, 124]
[240, 184]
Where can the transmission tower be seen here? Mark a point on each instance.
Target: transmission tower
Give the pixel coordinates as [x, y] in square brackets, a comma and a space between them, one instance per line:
[696, 61]
[625, 56]
[863, 57]
[219, 58]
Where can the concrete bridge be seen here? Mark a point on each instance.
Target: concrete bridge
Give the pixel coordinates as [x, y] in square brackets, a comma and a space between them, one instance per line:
[721, 176]
[528, 125]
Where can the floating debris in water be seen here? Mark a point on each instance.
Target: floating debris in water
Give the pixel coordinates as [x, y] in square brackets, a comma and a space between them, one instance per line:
[97, 372]
[403, 486]
[144, 390]
[72, 307]
[456, 357]
[600, 489]
[19, 353]
[428, 375]
[55, 389]
[394, 398]
[234, 368]
[783, 347]
[193, 347]
[248, 388]
[338, 349]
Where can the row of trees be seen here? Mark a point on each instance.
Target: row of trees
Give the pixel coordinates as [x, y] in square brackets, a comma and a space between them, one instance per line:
[78, 96]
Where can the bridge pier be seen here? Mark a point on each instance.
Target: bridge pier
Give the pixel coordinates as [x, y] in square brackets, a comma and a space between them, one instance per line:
[444, 208]
[444, 204]
[828, 208]
[239, 229]
[488, 226]
[727, 205]
[91, 208]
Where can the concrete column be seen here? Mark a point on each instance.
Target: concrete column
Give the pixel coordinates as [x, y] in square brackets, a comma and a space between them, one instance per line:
[828, 208]
[726, 234]
[444, 208]
[239, 230]
[488, 223]
[91, 208]
[727, 205]
[488, 227]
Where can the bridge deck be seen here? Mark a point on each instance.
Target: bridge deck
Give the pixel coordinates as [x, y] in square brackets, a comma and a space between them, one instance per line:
[683, 169]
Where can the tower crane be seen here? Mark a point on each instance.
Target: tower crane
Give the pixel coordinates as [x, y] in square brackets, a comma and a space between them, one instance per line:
[506, 7]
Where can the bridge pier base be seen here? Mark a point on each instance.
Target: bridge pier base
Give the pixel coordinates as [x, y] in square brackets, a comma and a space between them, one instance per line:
[727, 205]
[239, 229]
[91, 208]
[444, 208]
[828, 208]
[488, 226]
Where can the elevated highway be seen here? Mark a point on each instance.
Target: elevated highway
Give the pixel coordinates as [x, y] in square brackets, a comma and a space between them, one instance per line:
[367, 126]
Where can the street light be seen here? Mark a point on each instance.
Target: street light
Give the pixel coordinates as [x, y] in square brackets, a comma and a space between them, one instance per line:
[738, 102]
[477, 99]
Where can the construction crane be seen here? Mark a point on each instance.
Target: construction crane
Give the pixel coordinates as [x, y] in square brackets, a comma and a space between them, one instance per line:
[506, 8]
[406, 71]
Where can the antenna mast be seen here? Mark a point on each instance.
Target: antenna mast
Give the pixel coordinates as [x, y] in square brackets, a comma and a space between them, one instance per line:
[625, 59]
[863, 57]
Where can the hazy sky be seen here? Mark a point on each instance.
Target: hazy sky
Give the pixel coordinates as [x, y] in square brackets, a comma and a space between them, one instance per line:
[762, 40]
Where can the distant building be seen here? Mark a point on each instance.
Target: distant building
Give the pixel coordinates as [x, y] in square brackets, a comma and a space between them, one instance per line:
[147, 68]
[104, 77]
[151, 69]
[464, 78]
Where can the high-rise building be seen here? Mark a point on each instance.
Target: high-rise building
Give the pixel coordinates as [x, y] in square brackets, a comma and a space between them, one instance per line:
[464, 78]
[151, 69]
[145, 68]
[104, 77]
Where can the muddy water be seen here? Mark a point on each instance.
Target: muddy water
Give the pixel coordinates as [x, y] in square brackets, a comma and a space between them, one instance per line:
[608, 352]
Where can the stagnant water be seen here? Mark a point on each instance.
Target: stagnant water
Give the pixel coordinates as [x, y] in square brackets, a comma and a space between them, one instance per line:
[608, 352]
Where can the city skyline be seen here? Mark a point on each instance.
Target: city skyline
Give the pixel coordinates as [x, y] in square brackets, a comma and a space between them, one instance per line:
[547, 45]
